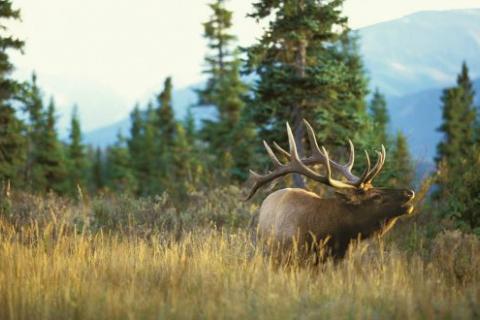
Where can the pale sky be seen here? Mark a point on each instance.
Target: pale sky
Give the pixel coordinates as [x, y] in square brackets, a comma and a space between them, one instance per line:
[126, 48]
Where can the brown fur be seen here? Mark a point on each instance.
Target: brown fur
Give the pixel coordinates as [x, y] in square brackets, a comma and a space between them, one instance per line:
[292, 214]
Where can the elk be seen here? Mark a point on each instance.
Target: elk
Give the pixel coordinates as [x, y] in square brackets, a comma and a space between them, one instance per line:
[357, 211]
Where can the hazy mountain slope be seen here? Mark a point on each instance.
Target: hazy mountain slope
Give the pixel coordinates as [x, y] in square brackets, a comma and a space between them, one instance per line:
[182, 100]
[418, 116]
[421, 51]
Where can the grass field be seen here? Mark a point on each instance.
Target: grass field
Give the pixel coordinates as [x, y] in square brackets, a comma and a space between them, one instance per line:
[51, 270]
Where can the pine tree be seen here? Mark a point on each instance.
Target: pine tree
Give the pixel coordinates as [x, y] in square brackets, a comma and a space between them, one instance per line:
[459, 116]
[458, 155]
[32, 99]
[166, 123]
[98, 179]
[308, 67]
[183, 163]
[225, 90]
[154, 170]
[163, 135]
[119, 173]
[380, 118]
[77, 160]
[49, 173]
[12, 146]
[403, 168]
[12, 141]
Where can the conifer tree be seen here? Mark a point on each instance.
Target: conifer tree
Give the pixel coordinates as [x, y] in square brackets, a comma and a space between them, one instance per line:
[458, 155]
[136, 146]
[459, 116]
[166, 123]
[12, 146]
[77, 160]
[49, 173]
[153, 168]
[12, 141]
[119, 173]
[402, 165]
[163, 135]
[32, 99]
[380, 118]
[183, 163]
[98, 179]
[225, 90]
[308, 67]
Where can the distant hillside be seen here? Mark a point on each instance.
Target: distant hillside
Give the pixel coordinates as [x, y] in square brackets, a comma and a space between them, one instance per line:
[419, 115]
[421, 51]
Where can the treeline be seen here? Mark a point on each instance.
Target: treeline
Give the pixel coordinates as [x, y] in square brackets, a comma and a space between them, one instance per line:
[305, 65]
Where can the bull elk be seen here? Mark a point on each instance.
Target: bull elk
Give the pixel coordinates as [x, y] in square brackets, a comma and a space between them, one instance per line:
[357, 210]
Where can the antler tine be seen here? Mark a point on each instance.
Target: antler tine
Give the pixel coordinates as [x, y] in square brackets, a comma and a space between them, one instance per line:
[317, 155]
[272, 155]
[291, 143]
[351, 156]
[281, 150]
[256, 185]
[378, 166]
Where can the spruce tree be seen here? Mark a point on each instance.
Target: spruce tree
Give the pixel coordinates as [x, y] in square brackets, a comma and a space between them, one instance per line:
[459, 116]
[119, 173]
[402, 165]
[98, 178]
[32, 99]
[153, 168]
[166, 123]
[183, 163]
[12, 141]
[12, 146]
[379, 116]
[458, 155]
[77, 160]
[163, 135]
[50, 173]
[225, 90]
[307, 67]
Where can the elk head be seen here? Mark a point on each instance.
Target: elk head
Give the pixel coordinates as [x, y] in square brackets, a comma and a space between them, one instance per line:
[358, 209]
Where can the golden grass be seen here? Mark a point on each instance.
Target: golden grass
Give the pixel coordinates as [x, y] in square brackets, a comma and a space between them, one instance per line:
[50, 273]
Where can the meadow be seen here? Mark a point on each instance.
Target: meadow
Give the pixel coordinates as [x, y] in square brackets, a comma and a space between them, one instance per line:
[125, 258]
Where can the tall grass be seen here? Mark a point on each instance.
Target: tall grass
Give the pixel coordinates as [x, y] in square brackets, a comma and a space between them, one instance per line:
[59, 268]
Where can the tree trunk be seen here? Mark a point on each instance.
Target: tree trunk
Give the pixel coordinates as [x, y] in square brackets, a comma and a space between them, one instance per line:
[298, 127]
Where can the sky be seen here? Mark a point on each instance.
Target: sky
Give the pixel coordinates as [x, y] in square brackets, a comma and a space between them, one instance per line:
[105, 55]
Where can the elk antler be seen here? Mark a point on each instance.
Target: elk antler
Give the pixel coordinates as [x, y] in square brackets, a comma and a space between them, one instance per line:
[295, 165]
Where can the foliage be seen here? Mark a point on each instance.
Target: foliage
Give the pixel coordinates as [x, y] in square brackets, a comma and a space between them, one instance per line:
[12, 141]
[77, 158]
[458, 156]
[50, 172]
[120, 176]
[226, 91]
[308, 67]
[380, 118]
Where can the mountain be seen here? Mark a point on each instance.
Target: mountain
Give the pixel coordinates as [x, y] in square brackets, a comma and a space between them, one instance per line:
[182, 99]
[410, 59]
[419, 115]
[421, 51]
